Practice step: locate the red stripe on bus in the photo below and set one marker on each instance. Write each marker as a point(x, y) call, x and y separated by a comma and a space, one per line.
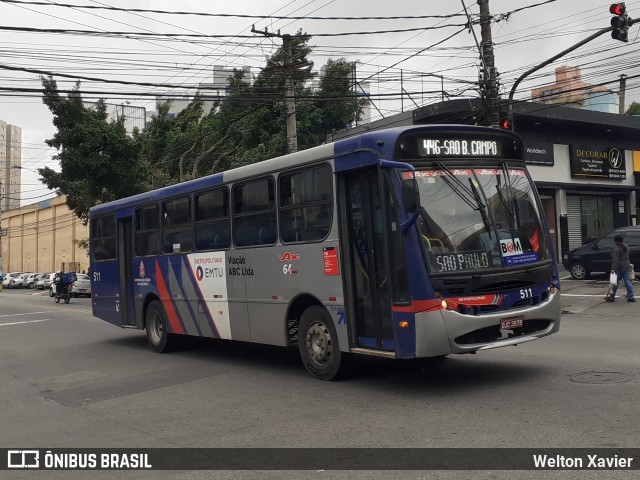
point(172, 315)
point(419, 306)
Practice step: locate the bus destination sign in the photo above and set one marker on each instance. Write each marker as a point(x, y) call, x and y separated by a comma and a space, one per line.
point(458, 148)
point(452, 262)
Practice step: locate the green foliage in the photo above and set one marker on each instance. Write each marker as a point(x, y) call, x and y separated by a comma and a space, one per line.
point(99, 162)
point(82, 243)
point(634, 109)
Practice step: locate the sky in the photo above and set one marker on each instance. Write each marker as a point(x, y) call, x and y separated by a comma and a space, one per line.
point(426, 56)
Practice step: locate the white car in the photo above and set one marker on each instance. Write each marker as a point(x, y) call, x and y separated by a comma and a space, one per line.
point(82, 286)
point(20, 281)
point(31, 279)
point(42, 283)
point(9, 278)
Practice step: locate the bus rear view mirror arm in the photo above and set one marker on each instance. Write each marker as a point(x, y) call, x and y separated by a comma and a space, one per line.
point(410, 195)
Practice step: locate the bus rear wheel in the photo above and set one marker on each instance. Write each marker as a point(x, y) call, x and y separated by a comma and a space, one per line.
point(318, 345)
point(160, 340)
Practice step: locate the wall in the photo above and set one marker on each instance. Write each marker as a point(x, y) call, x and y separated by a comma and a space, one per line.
point(40, 238)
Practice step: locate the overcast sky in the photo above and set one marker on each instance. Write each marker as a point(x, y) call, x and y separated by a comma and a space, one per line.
point(522, 38)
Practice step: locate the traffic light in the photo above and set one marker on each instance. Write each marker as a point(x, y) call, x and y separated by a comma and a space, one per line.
point(620, 21)
point(504, 124)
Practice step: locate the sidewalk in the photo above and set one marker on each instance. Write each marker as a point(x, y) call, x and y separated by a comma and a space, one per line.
point(587, 296)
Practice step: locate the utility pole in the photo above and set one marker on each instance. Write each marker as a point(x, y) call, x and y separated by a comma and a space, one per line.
point(290, 101)
point(489, 80)
point(623, 88)
point(292, 135)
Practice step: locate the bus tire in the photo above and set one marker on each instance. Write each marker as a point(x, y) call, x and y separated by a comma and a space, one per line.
point(160, 340)
point(318, 345)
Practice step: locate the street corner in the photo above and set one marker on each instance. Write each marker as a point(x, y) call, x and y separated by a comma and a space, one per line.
point(587, 296)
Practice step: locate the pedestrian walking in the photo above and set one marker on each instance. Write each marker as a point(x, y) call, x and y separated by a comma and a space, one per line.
point(620, 266)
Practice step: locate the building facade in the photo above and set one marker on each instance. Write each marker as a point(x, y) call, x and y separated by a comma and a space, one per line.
point(42, 238)
point(10, 154)
point(570, 91)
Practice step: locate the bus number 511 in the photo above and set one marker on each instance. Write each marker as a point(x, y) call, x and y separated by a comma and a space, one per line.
point(526, 293)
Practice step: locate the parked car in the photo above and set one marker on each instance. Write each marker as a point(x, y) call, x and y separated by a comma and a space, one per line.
point(20, 281)
point(31, 279)
point(49, 283)
point(44, 282)
point(82, 286)
point(9, 278)
point(596, 256)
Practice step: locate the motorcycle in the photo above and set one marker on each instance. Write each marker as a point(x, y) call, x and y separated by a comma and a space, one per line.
point(63, 287)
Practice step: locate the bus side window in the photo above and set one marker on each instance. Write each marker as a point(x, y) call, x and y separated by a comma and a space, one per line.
point(211, 215)
point(254, 216)
point(103, 243)
point(305, 204)
point(147, 230)
point(177, 230)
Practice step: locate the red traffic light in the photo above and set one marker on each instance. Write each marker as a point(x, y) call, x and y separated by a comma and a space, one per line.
point(617, 8)
point(504, 124)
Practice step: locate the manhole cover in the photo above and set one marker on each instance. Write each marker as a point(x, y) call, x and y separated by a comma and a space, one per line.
point(601, 377)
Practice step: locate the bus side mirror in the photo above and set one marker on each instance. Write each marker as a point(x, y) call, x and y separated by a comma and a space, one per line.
point(411, 201)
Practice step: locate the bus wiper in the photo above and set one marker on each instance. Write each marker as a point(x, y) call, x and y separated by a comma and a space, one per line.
point(505, 204)
point(457, 186)
point(507, 184)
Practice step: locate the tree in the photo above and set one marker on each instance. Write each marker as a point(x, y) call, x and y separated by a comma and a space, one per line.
point(634, 109)
point(333, 106)
point(98, 161)
point(254, 116)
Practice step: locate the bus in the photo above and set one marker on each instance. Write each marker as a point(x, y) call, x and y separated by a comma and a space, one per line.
point(403, 243)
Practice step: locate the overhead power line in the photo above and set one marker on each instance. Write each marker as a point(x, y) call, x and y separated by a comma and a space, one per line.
point(227, 15)
point(134, 35)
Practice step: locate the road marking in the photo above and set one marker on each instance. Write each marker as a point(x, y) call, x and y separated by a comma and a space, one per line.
point(21, 323)
point(582, 295)
point(30, 313)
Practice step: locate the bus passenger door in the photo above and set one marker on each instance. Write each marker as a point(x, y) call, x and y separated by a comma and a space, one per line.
point(368, 283)
point(125, 270)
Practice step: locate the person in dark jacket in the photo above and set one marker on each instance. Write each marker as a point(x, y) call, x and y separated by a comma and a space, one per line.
point(620, 265)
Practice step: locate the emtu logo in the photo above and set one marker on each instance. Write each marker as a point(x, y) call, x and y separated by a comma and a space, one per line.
point(23, 459)
point(199, 273)
point(616, 158)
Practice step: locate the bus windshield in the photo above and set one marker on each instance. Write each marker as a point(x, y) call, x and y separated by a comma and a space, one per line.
point(472, 219)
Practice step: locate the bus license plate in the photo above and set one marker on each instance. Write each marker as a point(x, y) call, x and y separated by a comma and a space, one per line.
point(511, 323)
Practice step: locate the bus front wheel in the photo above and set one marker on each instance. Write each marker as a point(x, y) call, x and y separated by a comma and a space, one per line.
point(318, 345)
point(160, 340)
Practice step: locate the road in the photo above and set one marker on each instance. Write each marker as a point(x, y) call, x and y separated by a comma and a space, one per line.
point(69, 380)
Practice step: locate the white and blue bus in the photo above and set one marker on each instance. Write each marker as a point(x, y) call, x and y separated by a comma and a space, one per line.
point(410, 242)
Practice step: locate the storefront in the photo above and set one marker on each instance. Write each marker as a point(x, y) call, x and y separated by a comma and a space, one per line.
point(587, 191)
